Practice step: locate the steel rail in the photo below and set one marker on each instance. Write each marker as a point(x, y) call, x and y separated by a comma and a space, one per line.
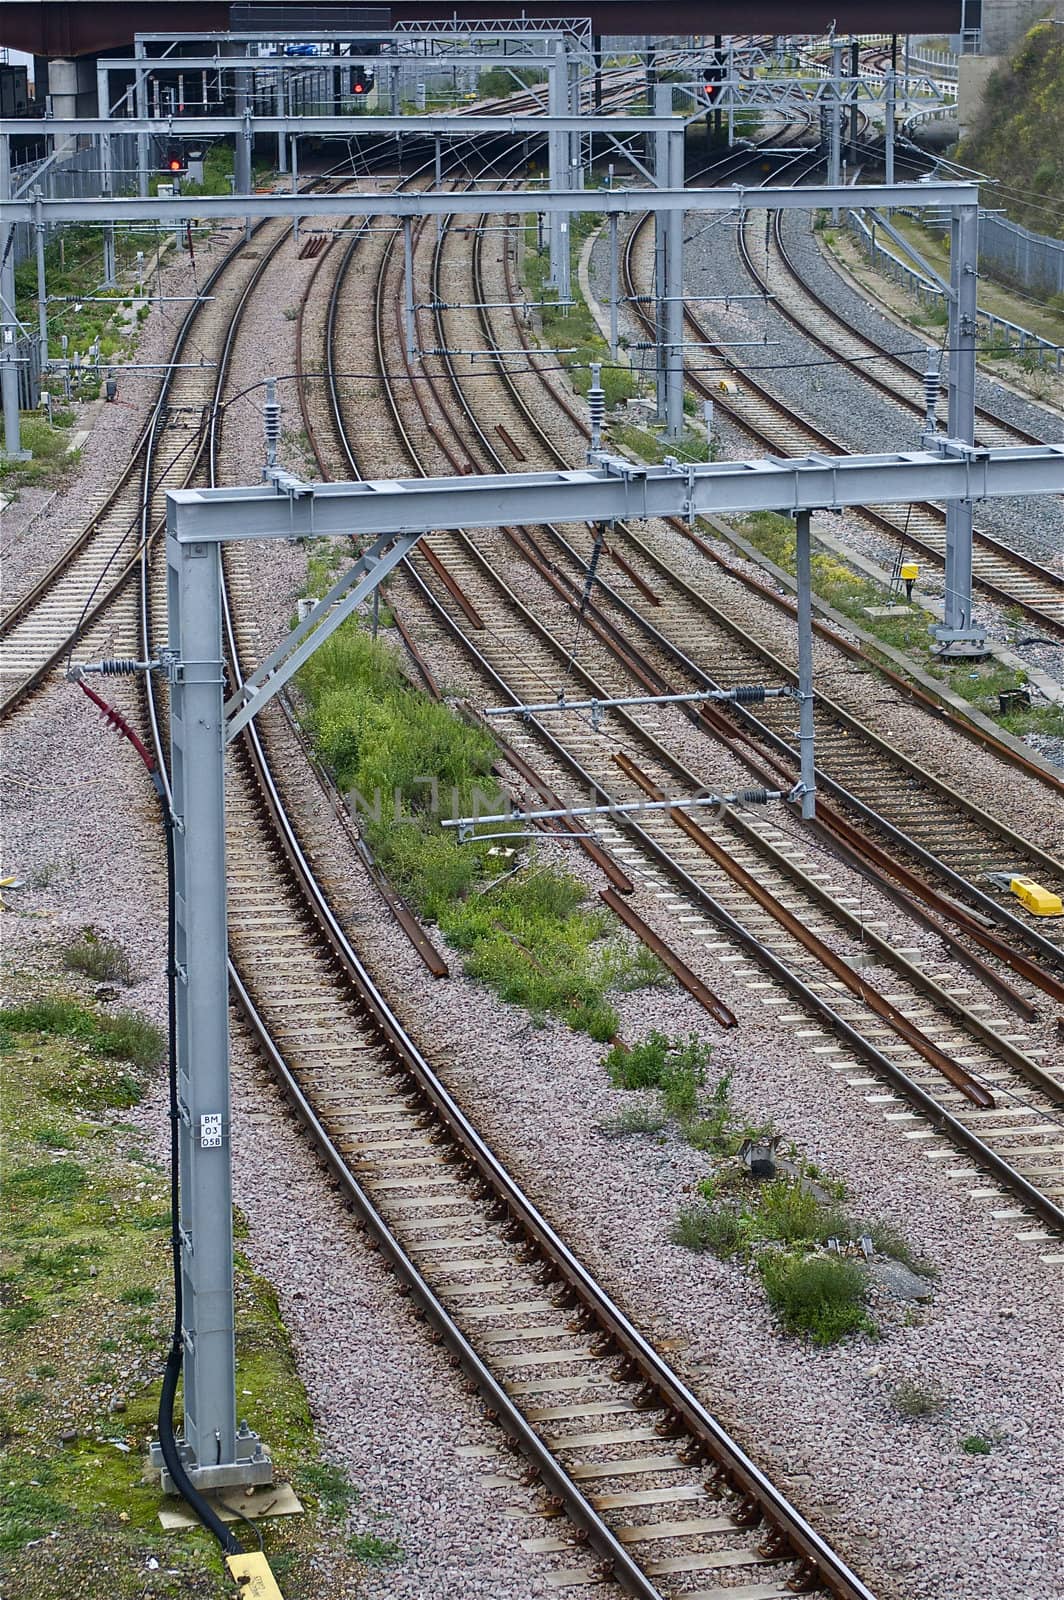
point(734, 1465)
point(749, 719)
point(823, 442)
point(1015, 1180)
point(782, 602)
point(983, 413)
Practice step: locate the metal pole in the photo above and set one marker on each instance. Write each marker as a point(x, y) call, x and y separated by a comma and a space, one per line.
point(142, 138)
point(964, 279)
point(215, 1452)
point(40, 233)
point(674, 291)
point(614, 288)
point(662, 107)
point(295, 183)
point(558, 171)
point(408, 286)
point(8, 327)
point(855, 73)
point(835, 145)
point(891, 90)
point(731, 93)
point(805, 665)
point(279, 98)
point(243, 157)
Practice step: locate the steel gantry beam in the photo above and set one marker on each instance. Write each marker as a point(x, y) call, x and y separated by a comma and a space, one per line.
point(959, 633)
point(484, 202)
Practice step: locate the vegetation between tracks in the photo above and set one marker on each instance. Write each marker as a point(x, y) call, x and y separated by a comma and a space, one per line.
point(404, 760)
point(85, 1289)
point(848, 592)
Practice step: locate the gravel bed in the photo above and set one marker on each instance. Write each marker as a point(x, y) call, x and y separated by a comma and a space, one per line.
point(732, 443)
point(888, 1490)
point(388, 1407)
point(826, 1423)
point(848, 410)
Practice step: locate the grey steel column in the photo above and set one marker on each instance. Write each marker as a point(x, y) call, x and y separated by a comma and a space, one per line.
point(805, 664)
point(891, 91)
point(281, 143)
point(41, 236)
point(110, 272)
point(674, 291)
point(558, 172)
point(835, 135)
point(142, 111)
point(214, 1451)
point(8, 326)
point(614, 288)
point(662, 107)
point(964, 281)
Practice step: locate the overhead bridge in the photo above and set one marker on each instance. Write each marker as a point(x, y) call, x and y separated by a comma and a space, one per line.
point(73, 28)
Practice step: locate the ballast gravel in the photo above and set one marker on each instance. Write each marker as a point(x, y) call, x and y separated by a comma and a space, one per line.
point(911, 1510)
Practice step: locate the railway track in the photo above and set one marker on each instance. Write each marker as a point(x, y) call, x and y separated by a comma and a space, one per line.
point(698, 642)
point(768, 262)
point(658, 1494)
point(1005, 575)
point(507, 647)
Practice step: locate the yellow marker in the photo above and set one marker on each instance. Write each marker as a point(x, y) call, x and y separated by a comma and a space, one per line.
point(1038, 901)
point(910, 571)
point(252, 1573)
point(725, 386)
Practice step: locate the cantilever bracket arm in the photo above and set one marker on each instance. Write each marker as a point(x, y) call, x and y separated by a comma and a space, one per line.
point(910, 249)
point(259, 688)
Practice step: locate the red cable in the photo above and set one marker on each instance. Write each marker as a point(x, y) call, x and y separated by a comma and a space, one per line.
point(118, 721)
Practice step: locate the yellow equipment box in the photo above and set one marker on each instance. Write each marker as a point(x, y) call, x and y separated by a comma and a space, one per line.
point(1038, 901)
point(910, 572)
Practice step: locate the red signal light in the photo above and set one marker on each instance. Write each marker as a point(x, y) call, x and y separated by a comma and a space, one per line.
point(360, 88)
point(174, 164)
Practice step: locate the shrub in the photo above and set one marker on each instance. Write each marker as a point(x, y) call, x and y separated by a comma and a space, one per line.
point(823, 1296)
point(919, 1400)
point(638, 1066)
point(98, 957)
point(975, 1444)
point(636, 1119)
point(700, 1227)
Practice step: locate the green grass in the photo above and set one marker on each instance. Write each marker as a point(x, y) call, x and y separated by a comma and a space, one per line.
point(403, 759)
point(915, 1400)
point(779, 1228)
point(700, 1227)
point(372, 1549)
point(52, 462)
point(95, 1081)
point(634, 1120)
point(822, 1296)
point(976, 1444)
point(98, 957)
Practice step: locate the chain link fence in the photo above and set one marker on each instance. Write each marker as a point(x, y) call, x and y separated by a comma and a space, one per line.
point(1031, 261)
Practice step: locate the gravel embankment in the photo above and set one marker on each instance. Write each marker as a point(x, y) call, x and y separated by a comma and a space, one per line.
point(915, 1513)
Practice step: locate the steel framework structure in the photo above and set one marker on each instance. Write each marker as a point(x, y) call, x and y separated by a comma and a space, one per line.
point(391, 516)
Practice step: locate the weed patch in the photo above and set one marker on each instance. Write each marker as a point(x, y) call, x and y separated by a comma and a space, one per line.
point(919, 1399)
point(402, 757)
point(976, 1444)
point(122, 1035)
point(823, 1296)
point(635, 1120)
point(98, 957)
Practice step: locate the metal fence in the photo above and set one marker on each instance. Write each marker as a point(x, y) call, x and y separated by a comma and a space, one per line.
point(1031, 260)
point(74, 176)
point(998, 334)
